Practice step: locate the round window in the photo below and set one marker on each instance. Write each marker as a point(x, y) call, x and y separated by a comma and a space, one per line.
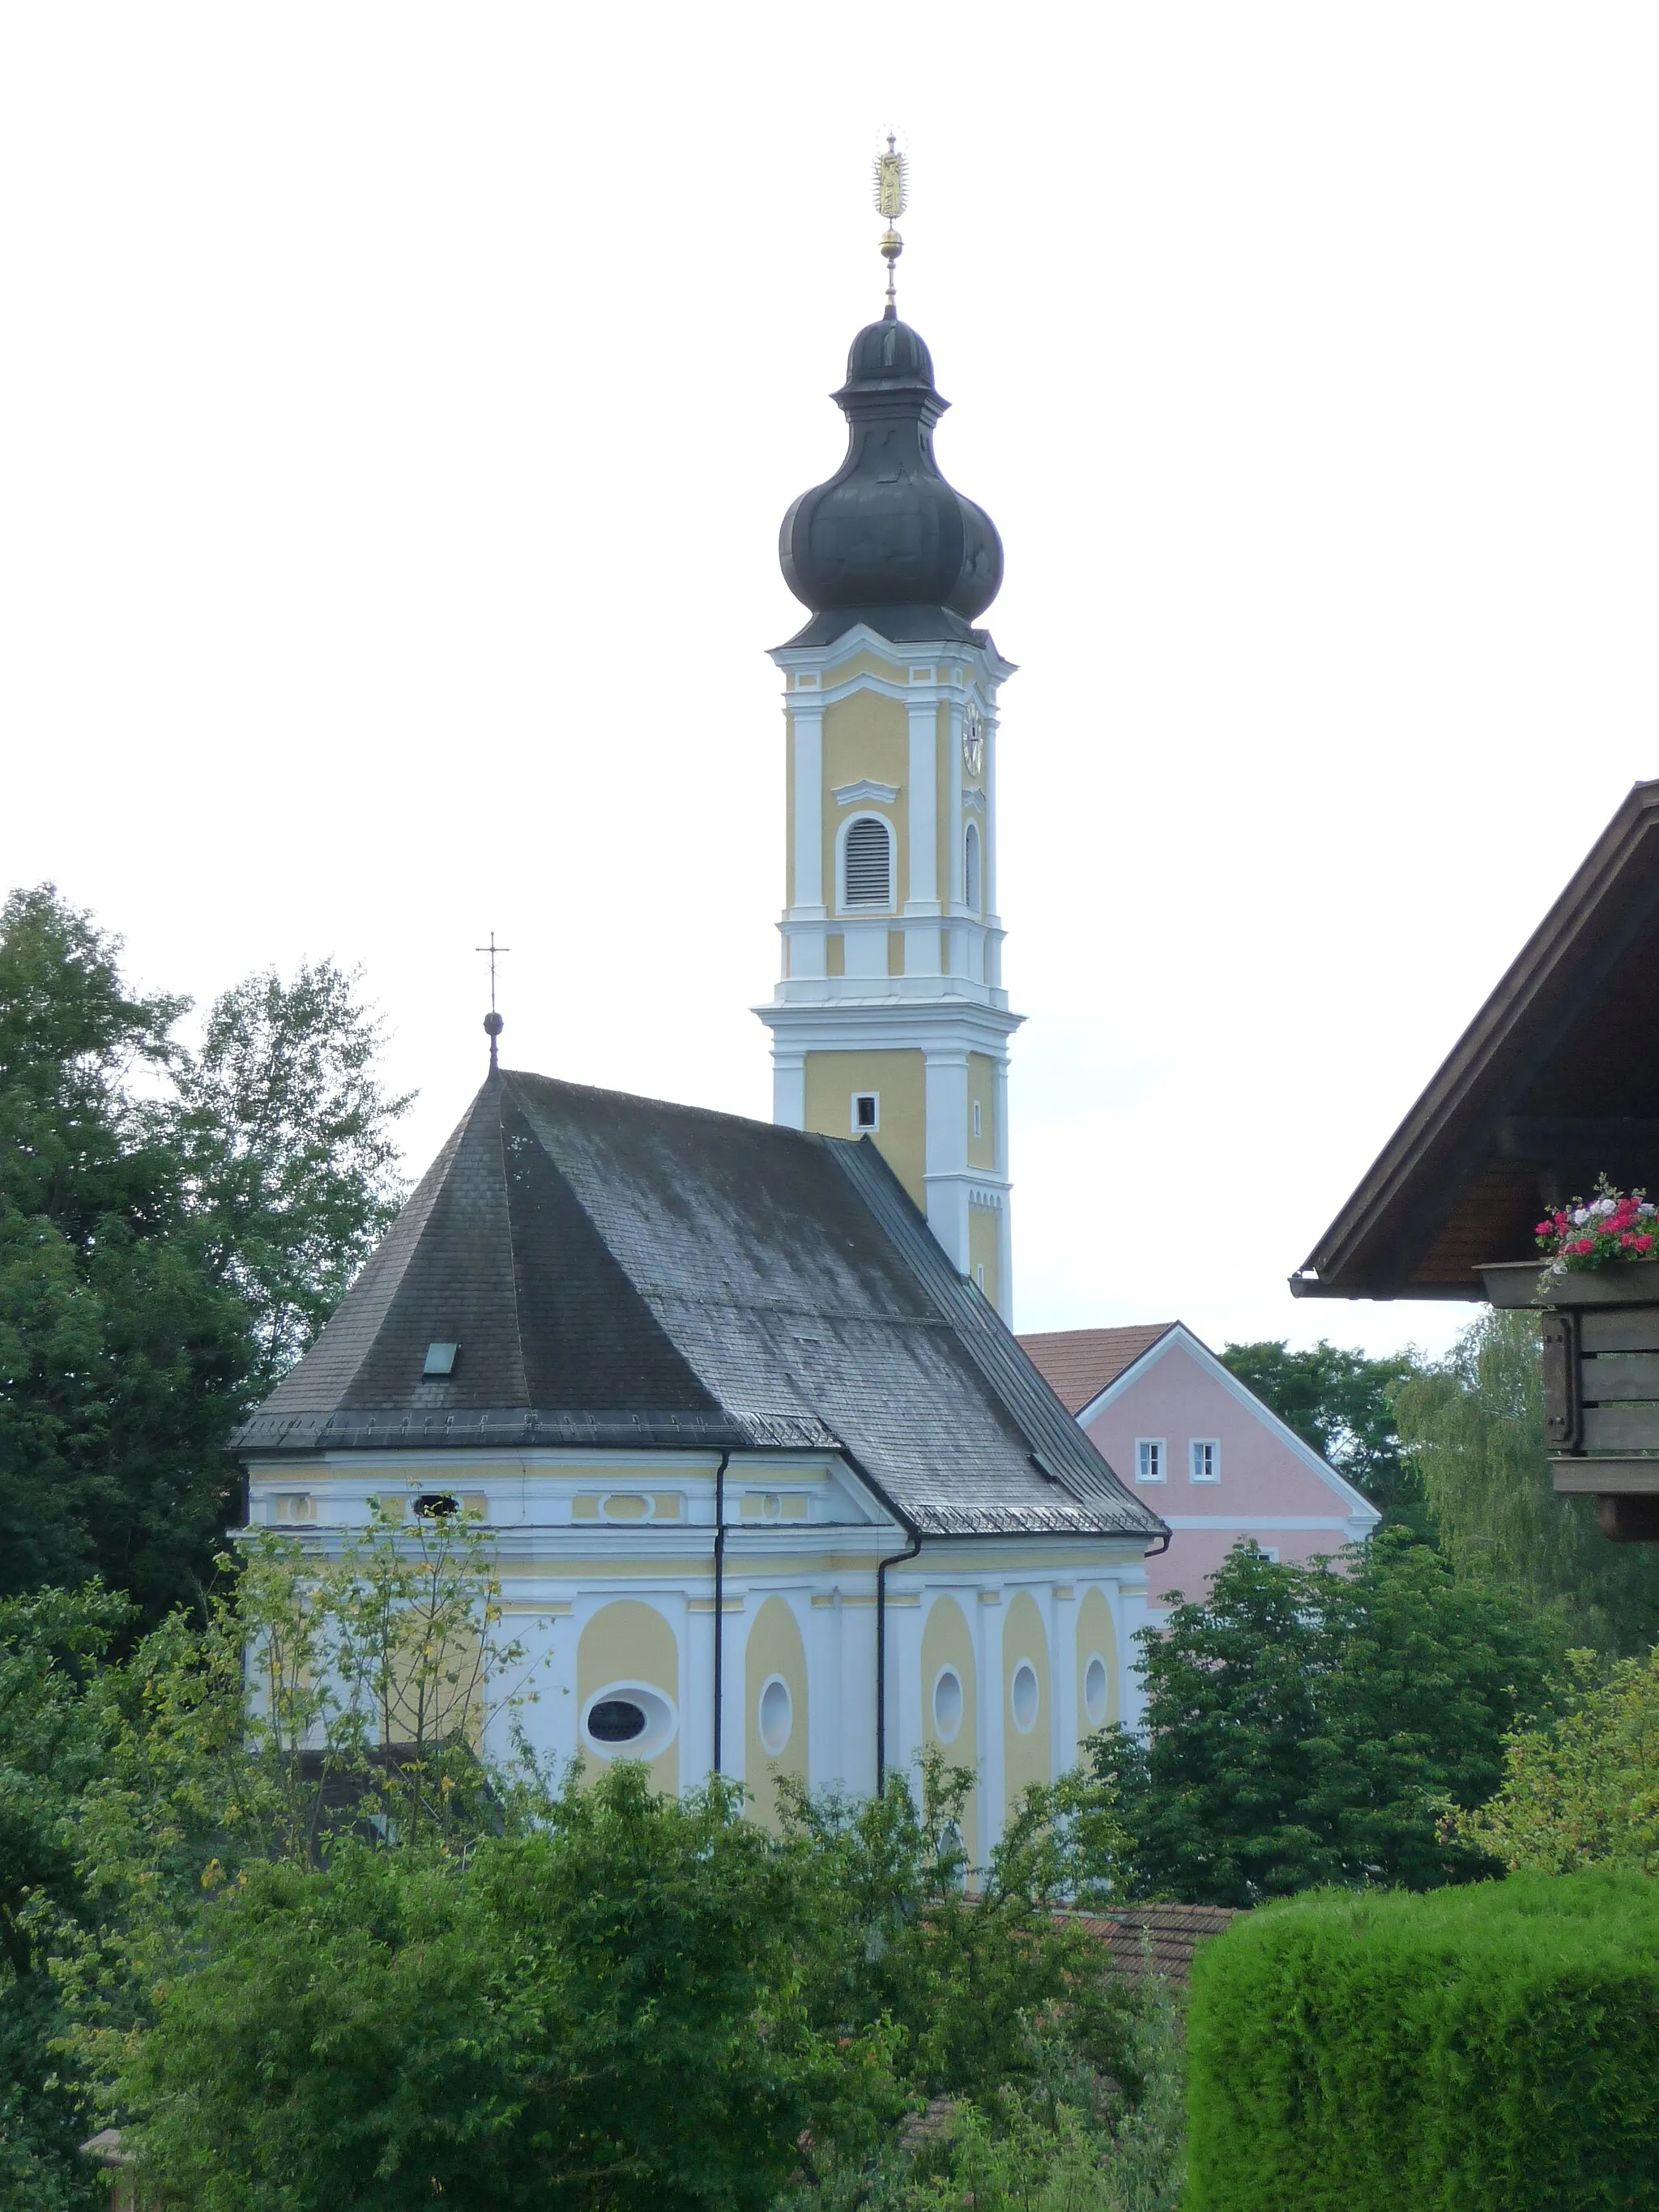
point(1094, 1691)
point(947, 1704)
point(1023, 1696)
point(776, 1716)
point(616, 1720)
point(627, 1720)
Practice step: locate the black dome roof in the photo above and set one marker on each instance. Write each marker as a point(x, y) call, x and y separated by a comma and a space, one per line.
point(887, 540)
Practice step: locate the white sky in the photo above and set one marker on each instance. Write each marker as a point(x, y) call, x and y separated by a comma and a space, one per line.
point(396, 409)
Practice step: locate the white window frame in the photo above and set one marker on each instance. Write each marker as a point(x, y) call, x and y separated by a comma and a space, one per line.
point(978, 1132)
point(866, 906)
point(864, 1129)
point(973, 878)
point(1194, 1446)
point(1160, 1446)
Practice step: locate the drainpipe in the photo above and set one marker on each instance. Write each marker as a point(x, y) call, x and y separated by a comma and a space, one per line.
point(719, 1590)
point(882, 1565)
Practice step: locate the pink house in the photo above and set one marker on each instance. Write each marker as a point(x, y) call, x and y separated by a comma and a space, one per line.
point(1203, 1450)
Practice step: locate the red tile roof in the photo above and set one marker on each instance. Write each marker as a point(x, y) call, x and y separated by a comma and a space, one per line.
point(1158, 1939)
point(1078, 1363)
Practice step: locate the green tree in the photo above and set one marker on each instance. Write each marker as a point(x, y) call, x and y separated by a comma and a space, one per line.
point(603, 2012)
point(1312, 1723)
point(53, 1740)
point(961, 1975)
point(1582, 1789)
point(1473, 1423)
point(122, 1365)
point(286, 1131)
point(1342, 1404)
point(173, 1228)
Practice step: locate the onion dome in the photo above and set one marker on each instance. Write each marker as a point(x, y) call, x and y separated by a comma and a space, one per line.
point(887, 541)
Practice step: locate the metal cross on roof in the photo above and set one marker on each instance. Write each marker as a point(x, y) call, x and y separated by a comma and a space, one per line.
point(493, 1022)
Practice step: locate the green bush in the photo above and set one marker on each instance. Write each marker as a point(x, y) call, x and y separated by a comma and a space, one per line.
point(1488, 2047)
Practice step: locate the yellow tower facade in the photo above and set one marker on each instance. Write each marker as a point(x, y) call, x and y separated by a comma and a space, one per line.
point(890, 1019)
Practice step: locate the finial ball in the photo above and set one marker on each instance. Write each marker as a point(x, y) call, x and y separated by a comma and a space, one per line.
point(493, 1024)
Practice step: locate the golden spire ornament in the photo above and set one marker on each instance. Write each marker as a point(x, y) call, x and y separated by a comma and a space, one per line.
point(892, 197)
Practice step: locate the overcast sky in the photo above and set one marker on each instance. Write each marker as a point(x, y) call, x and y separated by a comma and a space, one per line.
point(399, 403)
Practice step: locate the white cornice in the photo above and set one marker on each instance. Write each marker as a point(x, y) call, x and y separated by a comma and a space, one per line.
point(860, 793)
point(822, 660)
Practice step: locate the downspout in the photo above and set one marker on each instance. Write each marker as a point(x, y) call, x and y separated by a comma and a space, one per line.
point(882, 1565)
point(719, 1590)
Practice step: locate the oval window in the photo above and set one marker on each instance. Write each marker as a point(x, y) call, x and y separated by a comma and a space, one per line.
point(616, 1720)
point(776, 1716)
point(627, 1720)
point(1022, 1695)
point(947, 1704)
point(1094, 1691)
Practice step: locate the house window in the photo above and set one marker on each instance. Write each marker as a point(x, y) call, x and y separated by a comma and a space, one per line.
point(866, 863)
point(970, 867)
point(1206, 1466)
point(866, 1112)
point(1148, 1459)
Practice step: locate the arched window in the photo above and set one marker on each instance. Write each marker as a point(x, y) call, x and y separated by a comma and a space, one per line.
point(867, 863)
point(970, 867)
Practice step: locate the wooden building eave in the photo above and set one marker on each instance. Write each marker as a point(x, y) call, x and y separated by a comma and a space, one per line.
point(1554, 1081)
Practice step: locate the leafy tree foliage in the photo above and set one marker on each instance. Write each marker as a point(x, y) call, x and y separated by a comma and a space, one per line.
point(1342, 1404)
point(1312, 1723)
point(173, 1228)
point(601, 2013)
point(54, 1739)
point(1473, 1423)
point(1582, 1789)
point(286, 1131)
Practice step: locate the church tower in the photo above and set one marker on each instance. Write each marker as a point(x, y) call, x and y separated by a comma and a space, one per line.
point(890, 1019)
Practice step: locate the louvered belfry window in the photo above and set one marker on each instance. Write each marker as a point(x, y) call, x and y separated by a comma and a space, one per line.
point(869, 863)
point(970, 868)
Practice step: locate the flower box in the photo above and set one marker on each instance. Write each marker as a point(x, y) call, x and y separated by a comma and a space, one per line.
point(1626, 1282)
point(1600, 1339)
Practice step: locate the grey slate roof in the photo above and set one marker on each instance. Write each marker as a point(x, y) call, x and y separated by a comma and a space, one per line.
point(619, 1270)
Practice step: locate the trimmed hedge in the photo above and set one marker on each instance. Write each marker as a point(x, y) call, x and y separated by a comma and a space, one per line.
point(1493, 2048)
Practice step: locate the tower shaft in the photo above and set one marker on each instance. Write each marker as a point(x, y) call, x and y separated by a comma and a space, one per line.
point(890, 1020)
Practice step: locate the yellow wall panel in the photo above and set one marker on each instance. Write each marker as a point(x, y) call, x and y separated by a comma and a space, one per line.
point(1025, 1750)
point(981, 1092)
point(946, 1642)
point(1097, 1638)
point(899, 1077)
point(629, 1641)
point(775, 1650)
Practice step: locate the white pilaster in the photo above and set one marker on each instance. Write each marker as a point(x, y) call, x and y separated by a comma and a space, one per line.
point(1062, 1662)
point(809, 902)
point(789, 1089)
point(944, 1176)
point(924, 810)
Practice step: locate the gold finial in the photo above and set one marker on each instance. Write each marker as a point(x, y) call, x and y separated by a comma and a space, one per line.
point(892, 197)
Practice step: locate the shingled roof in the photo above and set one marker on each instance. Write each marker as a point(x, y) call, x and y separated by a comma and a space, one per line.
point(619, 1270)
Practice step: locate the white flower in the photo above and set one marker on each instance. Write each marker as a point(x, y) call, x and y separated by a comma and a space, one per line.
point(1580, 1216)
point(1603, 1206)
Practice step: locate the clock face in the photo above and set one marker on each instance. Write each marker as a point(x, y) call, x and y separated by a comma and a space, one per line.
point(973, 743)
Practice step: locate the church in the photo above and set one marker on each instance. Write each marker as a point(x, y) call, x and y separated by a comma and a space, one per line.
point(771, 1487)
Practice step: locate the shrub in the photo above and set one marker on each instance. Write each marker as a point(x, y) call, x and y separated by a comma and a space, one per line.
point(1494, 2047)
